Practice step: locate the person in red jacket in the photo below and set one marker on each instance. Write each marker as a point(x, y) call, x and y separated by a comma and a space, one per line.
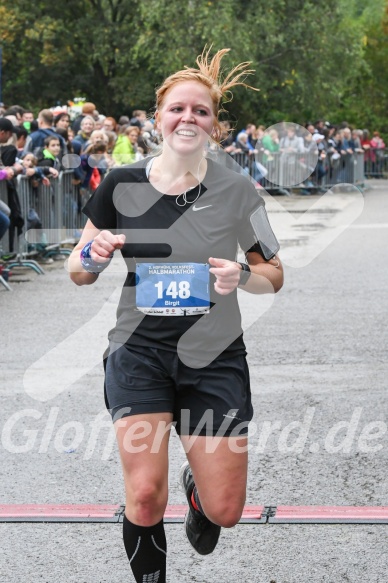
point(377, 153)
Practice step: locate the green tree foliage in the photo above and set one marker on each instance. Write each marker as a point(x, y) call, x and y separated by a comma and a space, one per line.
point(311, 58)
point(366, 97)
point(53, 51)
point(303, 57)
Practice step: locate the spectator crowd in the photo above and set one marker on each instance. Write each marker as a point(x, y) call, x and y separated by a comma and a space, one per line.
point(257, 148)
point(41, 148)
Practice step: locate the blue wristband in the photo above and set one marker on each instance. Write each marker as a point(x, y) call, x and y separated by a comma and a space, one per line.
point(89, 264)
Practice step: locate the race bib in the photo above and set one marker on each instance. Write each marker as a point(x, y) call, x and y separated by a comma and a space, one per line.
point(172, 289)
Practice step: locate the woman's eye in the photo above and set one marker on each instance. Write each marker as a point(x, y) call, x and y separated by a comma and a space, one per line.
point(202, 111)
point(176, 109)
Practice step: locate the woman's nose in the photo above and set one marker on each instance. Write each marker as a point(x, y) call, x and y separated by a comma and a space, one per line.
point(188, 116)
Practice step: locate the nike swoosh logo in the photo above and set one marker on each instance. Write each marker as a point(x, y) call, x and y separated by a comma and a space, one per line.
point(199, 208)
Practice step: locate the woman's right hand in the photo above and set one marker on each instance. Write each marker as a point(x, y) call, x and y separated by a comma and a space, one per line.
point(104, 244)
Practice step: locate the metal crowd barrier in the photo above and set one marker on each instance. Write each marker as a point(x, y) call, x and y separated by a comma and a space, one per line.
point(295, 171)
point(18, 241)
point(3, 191)
point(376, 163)
point(4, 246)
point(4, 243)
point(52, 217)
point(73, 199)
point(52, 213)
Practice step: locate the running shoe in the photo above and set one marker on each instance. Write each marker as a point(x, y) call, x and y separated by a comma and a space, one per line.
point(202, 533)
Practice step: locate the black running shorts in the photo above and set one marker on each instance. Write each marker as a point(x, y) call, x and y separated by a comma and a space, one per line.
point(214, 400)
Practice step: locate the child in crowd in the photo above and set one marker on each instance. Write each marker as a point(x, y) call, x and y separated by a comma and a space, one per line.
point(94, 163)
point(32, 170)
point(48, 157)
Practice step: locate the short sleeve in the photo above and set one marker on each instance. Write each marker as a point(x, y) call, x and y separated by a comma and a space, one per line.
point(100, 208)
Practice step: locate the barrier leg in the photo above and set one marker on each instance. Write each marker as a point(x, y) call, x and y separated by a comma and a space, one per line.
point(27, 263)
point(5, 283)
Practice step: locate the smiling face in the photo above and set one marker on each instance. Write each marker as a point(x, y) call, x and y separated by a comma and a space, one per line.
point(186, 117)
point(87, 125)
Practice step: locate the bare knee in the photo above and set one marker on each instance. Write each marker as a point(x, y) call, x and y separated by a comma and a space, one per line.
point(145, 504)
point(226, 515)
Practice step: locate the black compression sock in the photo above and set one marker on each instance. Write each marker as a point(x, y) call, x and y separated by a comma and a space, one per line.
point(147, 550)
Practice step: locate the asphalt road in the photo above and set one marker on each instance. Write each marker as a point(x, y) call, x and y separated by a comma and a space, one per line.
point(318, 360)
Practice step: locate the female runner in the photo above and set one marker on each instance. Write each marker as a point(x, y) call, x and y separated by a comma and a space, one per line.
point(176, 354)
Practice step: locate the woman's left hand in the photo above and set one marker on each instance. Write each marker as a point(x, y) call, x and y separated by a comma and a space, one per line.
point(227, 275)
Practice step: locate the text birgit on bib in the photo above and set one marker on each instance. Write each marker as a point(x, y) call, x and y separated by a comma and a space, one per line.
point(172, 289)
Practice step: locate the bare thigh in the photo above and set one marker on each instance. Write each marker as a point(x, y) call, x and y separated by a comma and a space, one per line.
point(219, 466)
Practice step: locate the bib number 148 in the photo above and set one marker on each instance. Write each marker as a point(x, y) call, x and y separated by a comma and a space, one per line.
point(175, 289)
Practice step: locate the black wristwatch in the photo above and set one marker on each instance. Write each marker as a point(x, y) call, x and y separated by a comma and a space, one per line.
point(245, 273)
